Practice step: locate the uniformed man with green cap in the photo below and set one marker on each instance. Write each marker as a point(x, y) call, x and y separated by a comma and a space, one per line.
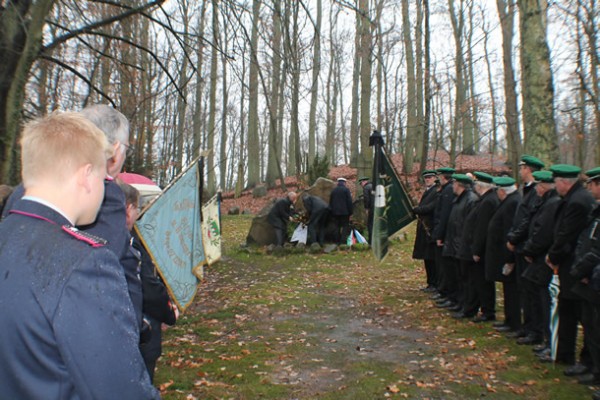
point(424, 247)
point(440, 222)
point(516, 239)
point(499, 262)
point(587, 260)
point(480, 293)
point(456, 279)
point(571, 218)
point(539, 240)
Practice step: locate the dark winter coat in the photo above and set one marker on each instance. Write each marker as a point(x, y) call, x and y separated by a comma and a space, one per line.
point(280, 214)
point(540, 237)
point(496, 252)
point(340, 202)
point(368, 196)
point(571, 219)
point(454, 231)
point(587, 257)
point(488, 205)
point(520, 230)
point(424, 248)
point(442, 211)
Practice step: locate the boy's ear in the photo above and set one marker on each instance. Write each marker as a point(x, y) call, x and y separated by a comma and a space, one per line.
point(84, 175)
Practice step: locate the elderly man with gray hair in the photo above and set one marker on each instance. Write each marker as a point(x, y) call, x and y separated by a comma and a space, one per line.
point(280, 215)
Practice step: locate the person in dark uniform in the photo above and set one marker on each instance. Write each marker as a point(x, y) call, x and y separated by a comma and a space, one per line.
point(341, 208)
point(517, 236)
point(110, 223)
point(482, 292)
point(539, 240)
point(499, 261)
point(68, 327)
point(279, 216)
point(571, 218)
point(368, 203)
point(318, 211)
point(424, 247)
point(587, 258)
point(157, 305)
point(463, 203)
point(440, 221)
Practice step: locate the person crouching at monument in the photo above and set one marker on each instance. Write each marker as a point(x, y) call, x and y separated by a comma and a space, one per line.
point(280, 215)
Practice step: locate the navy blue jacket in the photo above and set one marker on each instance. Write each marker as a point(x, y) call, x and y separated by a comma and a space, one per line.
point(340, 201)
point(109, 225)
point(68, 327)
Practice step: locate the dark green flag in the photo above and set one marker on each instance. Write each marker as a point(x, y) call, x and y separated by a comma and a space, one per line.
point(392, 209)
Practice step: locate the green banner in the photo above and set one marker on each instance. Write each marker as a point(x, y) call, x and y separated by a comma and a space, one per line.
point(392, 209)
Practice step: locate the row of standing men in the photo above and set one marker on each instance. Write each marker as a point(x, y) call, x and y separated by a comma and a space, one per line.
point(477, 229)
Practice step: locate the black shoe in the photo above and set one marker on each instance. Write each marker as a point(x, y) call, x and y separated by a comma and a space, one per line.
point(446, 304)
point(596, 395)
point(544, 353)
point(547, 358)
point(455, 308)
point(437, 296)
point(430, 289)
point(461, 315)
point(589, 379)
point(442, 300)
point(539, 347)
point(517, 334)
point(529, 339)
point(484, 318)
point(577, 369)
point(504, 328)
point(499, 324)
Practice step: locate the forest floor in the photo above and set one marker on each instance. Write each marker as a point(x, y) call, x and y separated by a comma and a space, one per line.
point(338, 326)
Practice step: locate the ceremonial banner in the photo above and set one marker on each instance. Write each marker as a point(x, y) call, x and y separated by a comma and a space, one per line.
point(171, 231)
point(392, 209)
point(211, 230)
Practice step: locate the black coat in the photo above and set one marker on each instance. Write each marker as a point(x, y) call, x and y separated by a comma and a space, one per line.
point(368, 196)
point(314, 205)
point(520, 230)
point(540, 237)
point(424, 247)
point(571, 219)
point(496, 252)
point(587, 257)
point(488, 205)
point(280, 213)
point(454, 231)
point(340, 202)
point(442, 211)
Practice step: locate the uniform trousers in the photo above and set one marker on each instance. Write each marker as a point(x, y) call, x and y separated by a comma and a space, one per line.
point(526, 291)
point(342, 228)
point(430, 272)
point(450, 283)
point(512, 311)
point(471, 301)
point(440, 271)
point(485, 291)
point(590, 318)
point(569, 315)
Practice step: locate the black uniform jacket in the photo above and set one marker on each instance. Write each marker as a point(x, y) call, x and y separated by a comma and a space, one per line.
point(496, 252)
point(280, 213)
point(571, 219)
point(424, 248)
point(540, 237)
point(340, 201)
point(587, 257)
point(454, 231)
point(68, 327)
point(520, 229)
point(442, 211)
point(488, 204)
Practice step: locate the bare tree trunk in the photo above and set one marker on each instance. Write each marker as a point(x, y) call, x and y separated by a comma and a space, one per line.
point(419, 128)
point(198, 97)
point(354, 133)
point(506, 12)
point(224, 110)
point(212, 101)
point(314, 90)
point(253, 142)
point(274, 148)
point(365, 164)
point(494, 139)
point(427, 90)
point(537, 87)
point(411, 96)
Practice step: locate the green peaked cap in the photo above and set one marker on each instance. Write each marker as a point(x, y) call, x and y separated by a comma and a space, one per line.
point(565, 171)
point(504, 181)
point(483, 177)
point(543, 176)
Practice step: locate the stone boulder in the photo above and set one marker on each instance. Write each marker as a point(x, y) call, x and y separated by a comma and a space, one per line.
point(235, 210)
point(261, 232)
point(259, 191)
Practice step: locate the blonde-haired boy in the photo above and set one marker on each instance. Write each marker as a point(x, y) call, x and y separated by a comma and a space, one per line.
point(69, 330)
